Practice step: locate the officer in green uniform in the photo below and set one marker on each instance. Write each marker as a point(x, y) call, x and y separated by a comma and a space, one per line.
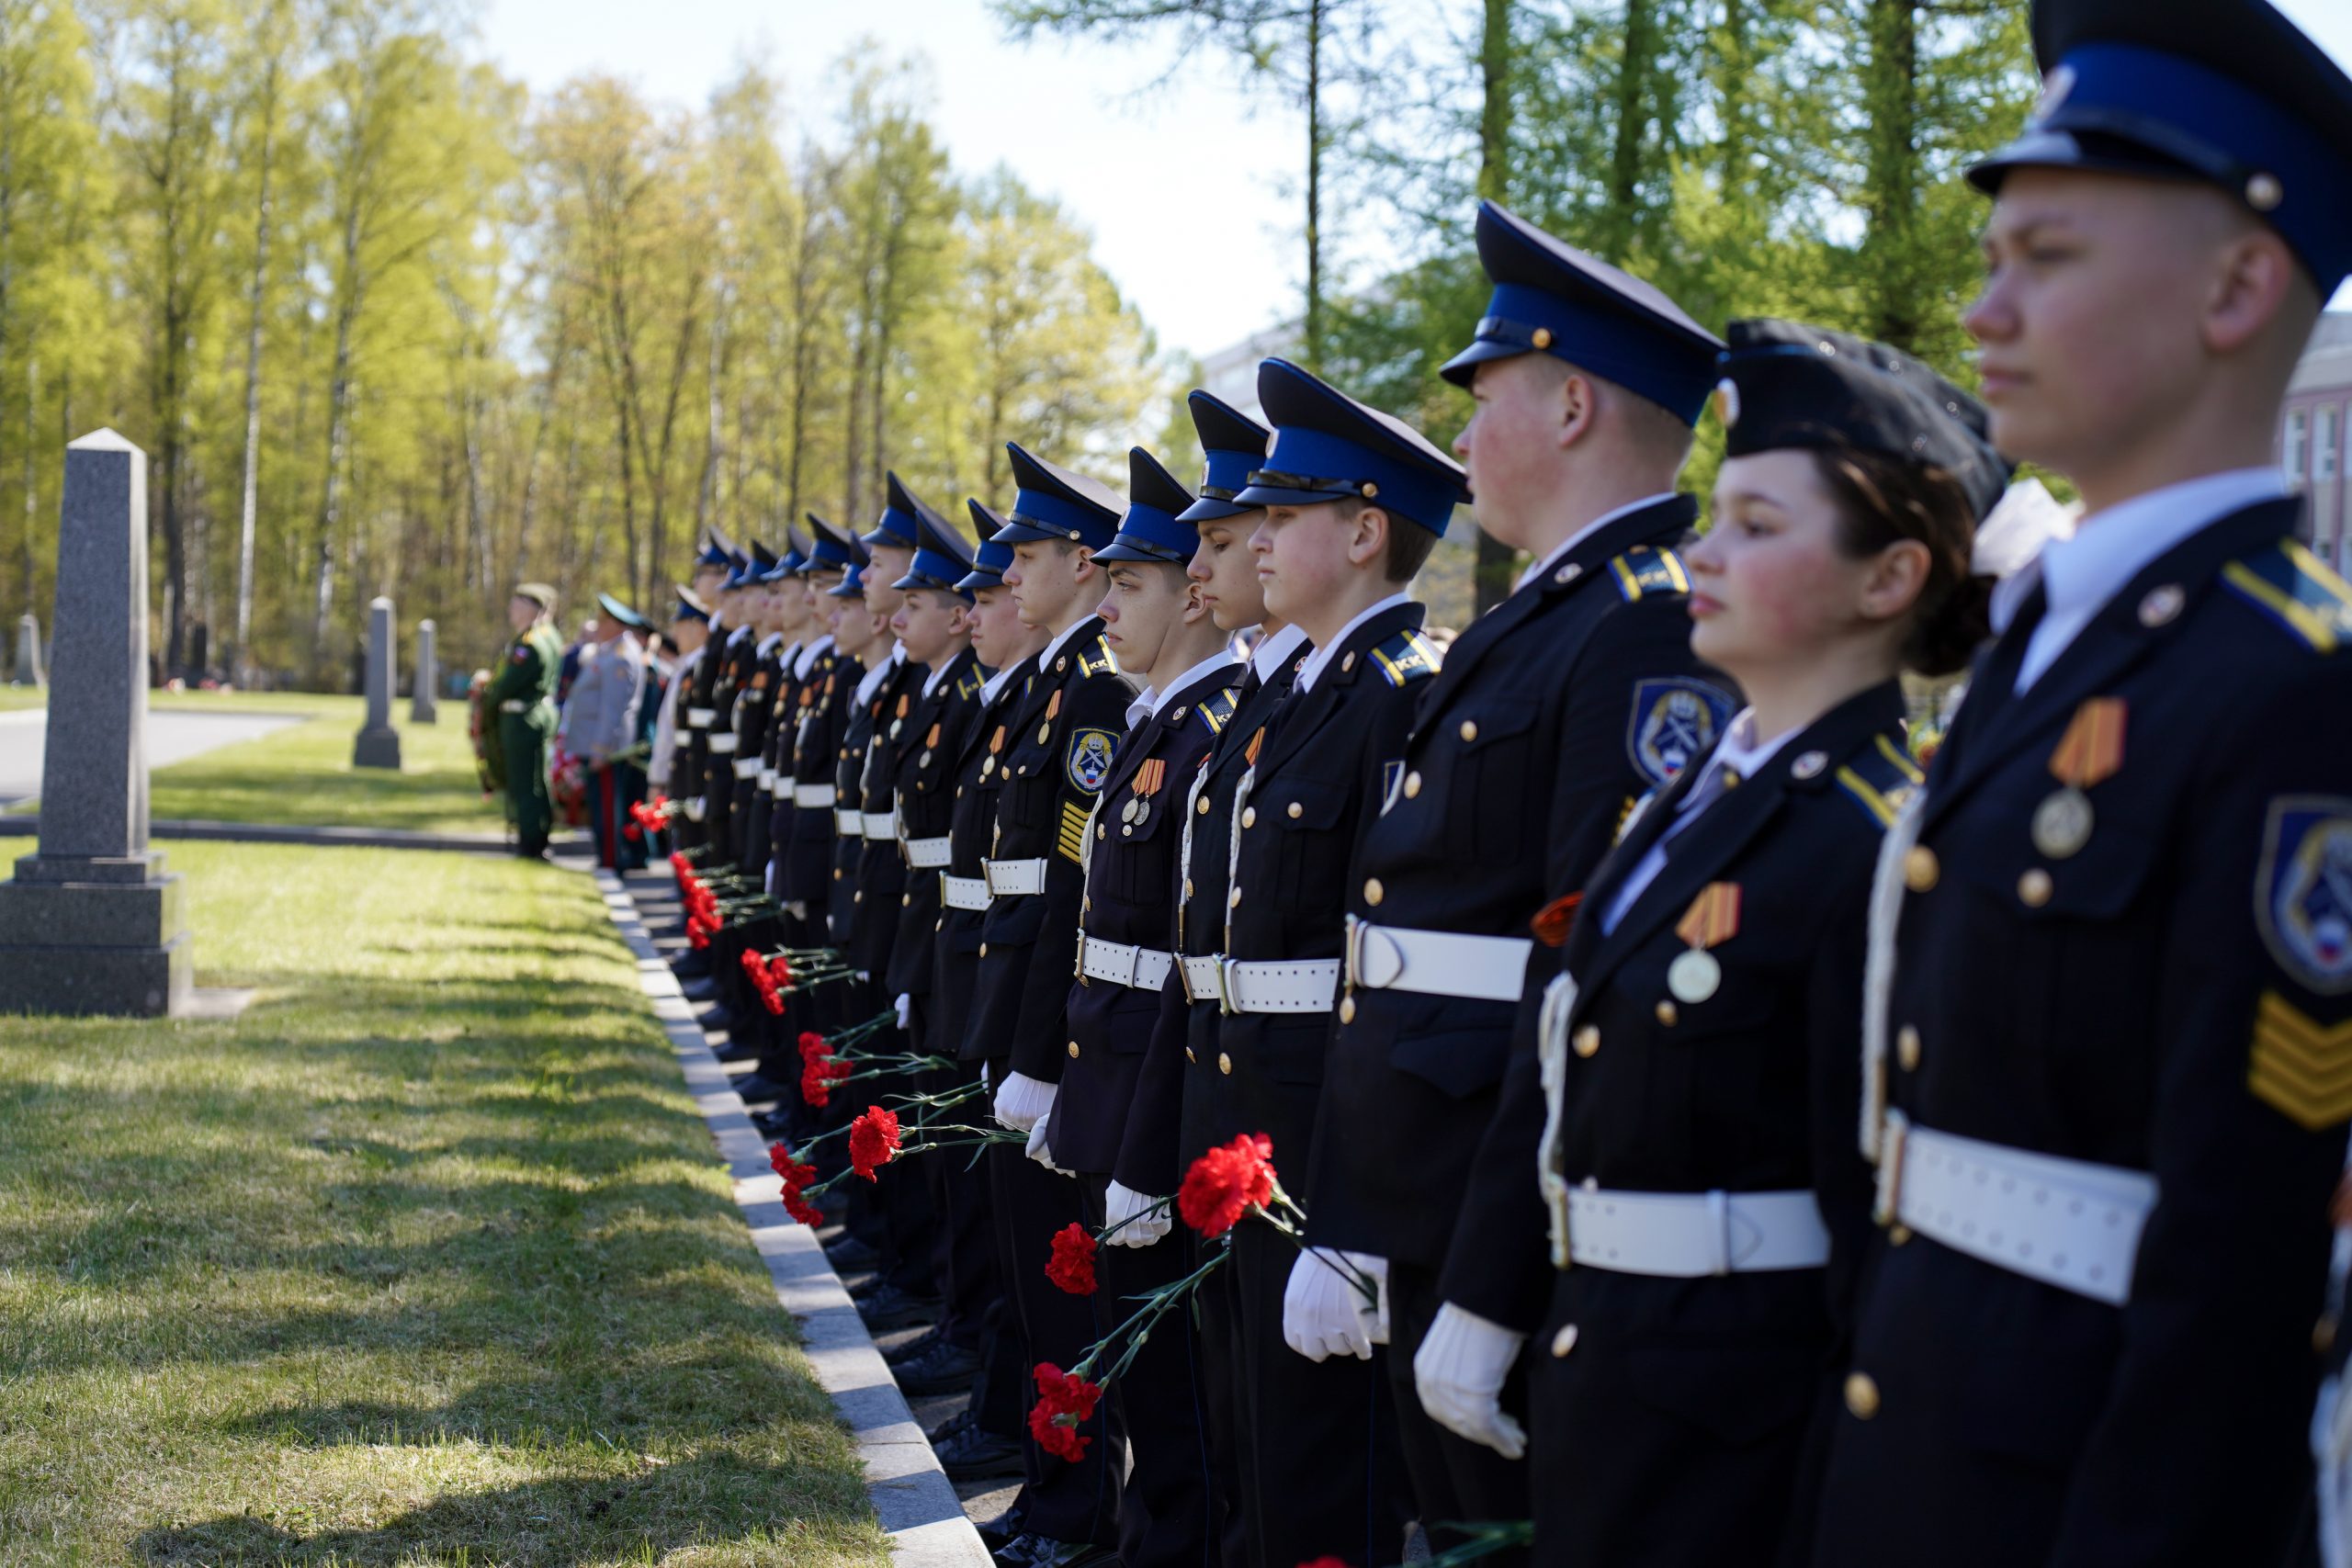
point(518, 694)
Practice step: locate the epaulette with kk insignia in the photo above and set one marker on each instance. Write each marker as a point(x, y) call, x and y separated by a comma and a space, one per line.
point(1096, 659)
point(2298, 591)
point(1215, 708)
point(1406, 657)
point(1878, 779)
point(969, 685)
point(1645, 570)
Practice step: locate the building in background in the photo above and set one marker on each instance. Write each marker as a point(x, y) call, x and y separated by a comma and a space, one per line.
point(2312, 438)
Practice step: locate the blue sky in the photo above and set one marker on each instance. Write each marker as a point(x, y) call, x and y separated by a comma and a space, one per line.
point(1139, 163)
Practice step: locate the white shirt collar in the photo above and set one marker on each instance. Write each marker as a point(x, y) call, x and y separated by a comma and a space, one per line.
point(2082, 574)
point(1054, 645)
point(1277, 649)
point(993, 687)
point(875, 673)
point(738, 635)
point(1146, 704)
point(1325, 654)
point(767, 643)
point(1559, 552)
point(1740, 752)
point(939, 672)
point(1221, 660)
point(810, 655)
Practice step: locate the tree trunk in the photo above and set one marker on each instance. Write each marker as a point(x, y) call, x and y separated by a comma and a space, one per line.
point(1623, 217)
point(1315, 185)
point(239, 660)
point(338, 441)
point(1491, 574)
point(1890, 98)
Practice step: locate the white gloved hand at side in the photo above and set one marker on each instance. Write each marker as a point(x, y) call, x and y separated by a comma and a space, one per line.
point(1021, 1099)
point(1122, 1205)
point(1323, 1308)
point(1040, 1149)
point(1374, 1310)
point(906, 1006)
point(1460, 1369)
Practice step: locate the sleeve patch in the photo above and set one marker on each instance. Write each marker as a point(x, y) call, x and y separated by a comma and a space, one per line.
point(2300, 1068)
point(2298, 591)
point(1645, 570)
point(1070, 842)
point(1675, 722)
point(1092, 752)
point(2302, 890)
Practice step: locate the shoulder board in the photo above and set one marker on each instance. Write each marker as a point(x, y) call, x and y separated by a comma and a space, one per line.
point(1215, 709)
point(1095, 658)
point(2297, 591)
point(1647, 569)
point(1879, 778)
point(968, 685)
point(1406, 657)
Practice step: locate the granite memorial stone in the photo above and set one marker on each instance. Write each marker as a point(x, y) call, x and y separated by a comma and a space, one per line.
point(379, 745)
point(428, 675)
point(28, 653)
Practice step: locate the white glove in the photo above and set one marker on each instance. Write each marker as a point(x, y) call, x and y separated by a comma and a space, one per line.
point(984, 1074)
point(1460, 1369)
point(1375, 1311)
point(906, 1006)
point(1323, 1308)
point(1040, 1149)
point(1021, 1099)
point(1121, 1205)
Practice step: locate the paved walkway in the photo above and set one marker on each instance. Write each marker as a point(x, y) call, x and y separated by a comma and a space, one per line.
point(172, 737)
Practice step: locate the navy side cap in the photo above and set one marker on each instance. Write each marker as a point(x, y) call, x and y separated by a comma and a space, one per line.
point(1053, 502)
point(1786, 384)
point(1235, 445)
point(991, 559)
point(1328, 447)
point(1154, 528)
point(942, 557)
point(619, 612)
point(1551, 297)
point(900, 513)
point(2226, 91)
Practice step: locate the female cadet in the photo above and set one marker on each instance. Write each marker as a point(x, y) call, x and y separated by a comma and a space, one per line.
point(1698, 1102)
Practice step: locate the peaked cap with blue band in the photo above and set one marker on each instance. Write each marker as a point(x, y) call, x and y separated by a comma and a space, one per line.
point(1786, 384)
point(942, 557)
point(900, 515)
point(1551, 297)
point(753, 568)
point(1050, 501)
point(690, 607)
point(853, 583)
point(1154, 528)
point(623, 614)
point(1235, 445)
point(793, 562)
point(836, 548)
point(991, 559)
point(1328, 447)
point(717, 552)
point(2227, 92)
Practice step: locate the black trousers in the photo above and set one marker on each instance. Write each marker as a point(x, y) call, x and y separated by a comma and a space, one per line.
point(1062, 1500)
point(1164, 1518)
point(1455, 1481)
point(963, 1249)
point(1322, 1476)
point(1218, 1314)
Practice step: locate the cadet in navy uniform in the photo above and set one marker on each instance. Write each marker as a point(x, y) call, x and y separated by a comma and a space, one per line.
point(779, 620)
point(987, 1438)
point(800, 819)
point(1160, 630)
point(712, 568)
point(1062, 743)
point(1354, 501)
point(737, 662)
point(1575, 695)
point(2109, 1032)
point(1697, 1102)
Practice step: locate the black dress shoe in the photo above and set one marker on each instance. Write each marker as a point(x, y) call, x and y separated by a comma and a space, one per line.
point(995, 1532)
point(757, 1090)
point(891, 1307)
point(946, 1431)
point(716, 1018)
point(1040, 1552)
point(947, 1370)
point(701, 989)
point(692, 964)
point(850, 1256)
point(915, 1350)
point(974, 1455)
point(736, 1050)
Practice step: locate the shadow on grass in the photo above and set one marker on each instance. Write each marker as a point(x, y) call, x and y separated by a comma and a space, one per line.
point(569, 1520)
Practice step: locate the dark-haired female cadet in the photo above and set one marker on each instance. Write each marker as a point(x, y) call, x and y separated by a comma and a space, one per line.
point(1697, 1096)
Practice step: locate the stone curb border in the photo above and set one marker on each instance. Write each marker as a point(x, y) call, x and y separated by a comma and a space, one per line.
point(916, 1503)
point(29, 825)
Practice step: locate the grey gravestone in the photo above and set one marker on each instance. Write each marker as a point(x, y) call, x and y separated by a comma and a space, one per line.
point(427, 676)
point(379, 745)
point(92, 924)
point(28, 653)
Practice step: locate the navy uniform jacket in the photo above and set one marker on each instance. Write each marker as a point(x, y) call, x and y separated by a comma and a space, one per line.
point(811, 754)
point(1326, 758)
point(926, 759)
point(1163, 1140)
point(881, 874)
point(775, 754)
point(1130, 878)
point(1674, 1429)
point(979, 775)
point(2175, 998)
point(1063, 740)
point(690, 768)
point(1556, 709)
point(865, 721)
point(735, 663)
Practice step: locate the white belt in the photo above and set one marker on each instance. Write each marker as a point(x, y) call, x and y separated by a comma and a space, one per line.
point(848, 824)
point(1144, 968)
point(1437, 964)
point(723, 743)
point(701, 718)
point(963, 892)
point(747, 767)
point(1014, 877)
point(879, 824)
point(928, 855)
point(1687, 1235)
point(516, 705)
point(1306, 986)
point(2066, 1222)
point(767, 781)
point(1204, 978)
point(815, 797)
point(695, 809)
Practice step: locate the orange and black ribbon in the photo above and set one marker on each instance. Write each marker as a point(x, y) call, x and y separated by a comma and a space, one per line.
point(1712, 918)
point(2092, 748)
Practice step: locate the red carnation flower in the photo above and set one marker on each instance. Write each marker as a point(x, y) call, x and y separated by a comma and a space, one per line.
point(813, 1044)
point(797, 1175)
point(1228, 1182)
point(872, 1141)
point(819, 1075)
point(633, 832)
point(1326, 1562)
point(780, 971)
point(1072, 1264)
point(1064, 1401)
point(755, 967)
point(698, 931)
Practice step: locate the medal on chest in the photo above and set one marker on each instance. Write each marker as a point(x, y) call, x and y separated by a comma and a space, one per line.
point(1711, 920)
point(930, 741)
point(2090, 752)
point(1147, 780)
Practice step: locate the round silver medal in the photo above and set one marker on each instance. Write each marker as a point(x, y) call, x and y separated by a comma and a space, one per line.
point(2061, 823)
point(1127, 812)
point(1694, 976)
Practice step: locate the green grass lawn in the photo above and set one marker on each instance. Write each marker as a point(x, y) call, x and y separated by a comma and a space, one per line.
point(426, 1260)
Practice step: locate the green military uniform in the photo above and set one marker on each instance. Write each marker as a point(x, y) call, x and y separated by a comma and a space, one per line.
point(519, 697)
